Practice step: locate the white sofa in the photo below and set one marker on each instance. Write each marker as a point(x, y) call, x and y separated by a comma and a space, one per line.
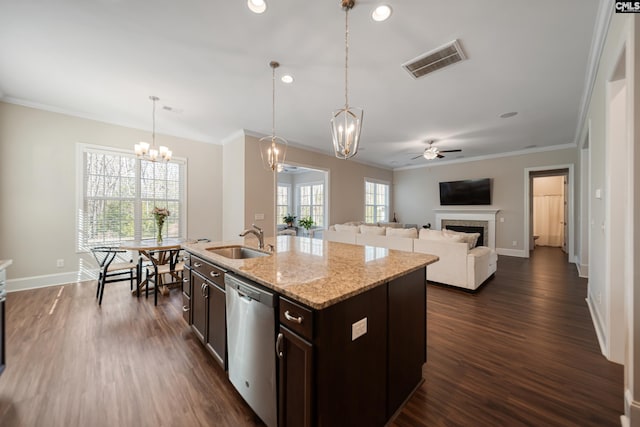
point(461, 263)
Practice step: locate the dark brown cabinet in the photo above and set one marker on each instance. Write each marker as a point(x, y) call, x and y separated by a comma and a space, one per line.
point(354, 362)
point(295, 354)
point(216, 341)
point(208, 311)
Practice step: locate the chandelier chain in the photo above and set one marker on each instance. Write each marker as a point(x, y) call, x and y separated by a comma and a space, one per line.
point(153, 129)
point(346, 59)
point(273, 101)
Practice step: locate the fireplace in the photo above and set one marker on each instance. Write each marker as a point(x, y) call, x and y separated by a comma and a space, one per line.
point(481, 221)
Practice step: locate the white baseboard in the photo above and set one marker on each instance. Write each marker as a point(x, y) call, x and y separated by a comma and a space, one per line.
point(583, 270)
point(597, 325)
point(512, 252)
point(25, 283)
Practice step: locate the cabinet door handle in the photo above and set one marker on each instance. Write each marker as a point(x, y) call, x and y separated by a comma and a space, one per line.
point(279, 346)
point(214, 274)
point(291, 318)
point(185, 308)
point(185, 280)
point(202, 290)
point(197, 264)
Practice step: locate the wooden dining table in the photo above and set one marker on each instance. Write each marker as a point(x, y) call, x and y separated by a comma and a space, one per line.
point(143, 247)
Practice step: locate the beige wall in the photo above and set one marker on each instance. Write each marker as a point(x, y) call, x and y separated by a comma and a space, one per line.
point(346, 184)
point(416, 191)
point(233, 184)
point(38, 188)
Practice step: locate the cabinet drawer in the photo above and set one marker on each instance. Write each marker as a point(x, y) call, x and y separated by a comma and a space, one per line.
point(296, 318)
point(213, 273)
point(186, 308)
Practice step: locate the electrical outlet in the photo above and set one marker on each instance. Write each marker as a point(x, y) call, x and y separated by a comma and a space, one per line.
point(599, 298)
point(514, 243)
point(501, 219)
point(60, 263)
point(358, 329)
point(258, 217)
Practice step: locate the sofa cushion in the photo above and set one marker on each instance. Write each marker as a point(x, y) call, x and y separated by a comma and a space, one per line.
point(470, 238)
point(344, 227)
point(438, 235)
point(372, 229)
point(402, 232)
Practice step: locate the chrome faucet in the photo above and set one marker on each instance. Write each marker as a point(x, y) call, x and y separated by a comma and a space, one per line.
point(257, 231)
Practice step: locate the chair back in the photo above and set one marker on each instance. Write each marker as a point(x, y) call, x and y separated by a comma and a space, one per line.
point(105, 255)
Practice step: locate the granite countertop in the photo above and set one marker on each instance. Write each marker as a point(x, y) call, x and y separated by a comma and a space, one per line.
point(315, 272)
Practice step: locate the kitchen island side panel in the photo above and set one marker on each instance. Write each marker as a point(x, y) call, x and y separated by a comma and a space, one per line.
point(351, 373)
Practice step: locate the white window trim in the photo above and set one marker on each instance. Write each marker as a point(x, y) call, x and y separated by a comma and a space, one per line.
point(388, 202)
point(81, 147)
point(289, 206)
point(324, 199)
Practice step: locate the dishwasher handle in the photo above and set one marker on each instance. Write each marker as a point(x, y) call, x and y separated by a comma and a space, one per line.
point(249, 291)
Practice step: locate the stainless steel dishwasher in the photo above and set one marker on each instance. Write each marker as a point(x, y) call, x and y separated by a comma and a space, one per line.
point(250, 346)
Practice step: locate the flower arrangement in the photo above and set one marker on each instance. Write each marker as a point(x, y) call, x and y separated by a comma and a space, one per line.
point(160, 214)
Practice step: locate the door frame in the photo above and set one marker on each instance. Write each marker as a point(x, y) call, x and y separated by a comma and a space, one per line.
point(528, 182)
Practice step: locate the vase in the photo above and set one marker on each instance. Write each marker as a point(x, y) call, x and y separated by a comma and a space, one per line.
point(159, 236)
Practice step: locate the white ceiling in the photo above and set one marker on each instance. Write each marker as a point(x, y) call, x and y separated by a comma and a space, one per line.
point(209, 60)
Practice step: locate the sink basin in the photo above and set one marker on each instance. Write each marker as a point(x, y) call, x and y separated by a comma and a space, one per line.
point(237, 252)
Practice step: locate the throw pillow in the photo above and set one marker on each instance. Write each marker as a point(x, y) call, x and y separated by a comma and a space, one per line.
point(372, 229)
point(470, 238)
point(343, 227)
point(402, 232)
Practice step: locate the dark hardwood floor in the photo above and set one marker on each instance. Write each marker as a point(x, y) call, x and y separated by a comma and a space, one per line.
point(520, 352)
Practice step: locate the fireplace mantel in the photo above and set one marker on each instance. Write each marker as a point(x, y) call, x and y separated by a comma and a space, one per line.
point(467, 211)
point(472, 214)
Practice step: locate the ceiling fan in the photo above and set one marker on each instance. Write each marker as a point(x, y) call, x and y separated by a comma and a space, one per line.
point(432, 152)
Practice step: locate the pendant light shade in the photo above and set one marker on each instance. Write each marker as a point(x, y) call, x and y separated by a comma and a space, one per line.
point(346, 123)
point(273, 148)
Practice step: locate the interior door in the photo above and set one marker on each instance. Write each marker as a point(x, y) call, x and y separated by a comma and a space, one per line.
point(565, 217)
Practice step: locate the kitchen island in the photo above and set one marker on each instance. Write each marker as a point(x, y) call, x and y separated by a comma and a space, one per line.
point(350, 323)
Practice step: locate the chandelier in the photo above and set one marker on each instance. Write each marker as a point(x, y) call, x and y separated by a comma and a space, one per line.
point(346, 123)
point(273, 148)
point(149, 152)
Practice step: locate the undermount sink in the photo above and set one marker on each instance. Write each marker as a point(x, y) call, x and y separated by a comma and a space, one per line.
point(237, 252)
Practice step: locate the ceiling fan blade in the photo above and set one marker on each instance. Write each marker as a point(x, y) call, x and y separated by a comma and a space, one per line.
point(449, 151)
point(440, 156)
point(417, 157)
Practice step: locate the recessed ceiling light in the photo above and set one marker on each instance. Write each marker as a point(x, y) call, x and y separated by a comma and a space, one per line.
point(381, 13)
point(287, 79)
point(257, 6)
point(507, 115)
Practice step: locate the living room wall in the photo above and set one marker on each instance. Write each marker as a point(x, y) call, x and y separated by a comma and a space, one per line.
point(416, 191)
point(346, 184)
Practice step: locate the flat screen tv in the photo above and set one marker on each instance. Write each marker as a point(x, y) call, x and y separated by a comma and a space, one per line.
point(467, 192)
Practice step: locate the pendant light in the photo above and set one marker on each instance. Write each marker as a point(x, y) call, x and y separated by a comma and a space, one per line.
point(346, 123)
point(149, 152)
point(273, 148)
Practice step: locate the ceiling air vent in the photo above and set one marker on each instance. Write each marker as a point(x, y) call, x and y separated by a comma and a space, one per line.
point(434, 60)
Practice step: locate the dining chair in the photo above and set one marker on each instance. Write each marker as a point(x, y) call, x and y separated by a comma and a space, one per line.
point(113, 268)
point(164, 262)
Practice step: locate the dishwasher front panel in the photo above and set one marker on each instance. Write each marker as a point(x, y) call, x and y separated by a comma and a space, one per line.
point(251, 346)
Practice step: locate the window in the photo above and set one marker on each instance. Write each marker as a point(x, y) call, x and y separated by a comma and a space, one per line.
point(376, 207)
point(119, 192)
point(283, 204)
point(311, 197)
